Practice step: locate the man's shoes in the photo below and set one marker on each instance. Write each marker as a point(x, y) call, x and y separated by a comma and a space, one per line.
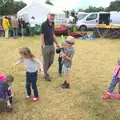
point(47, 78)
point(60, 75)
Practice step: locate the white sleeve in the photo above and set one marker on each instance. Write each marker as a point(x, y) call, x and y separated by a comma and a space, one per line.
point(18, 62)
point(40, 64)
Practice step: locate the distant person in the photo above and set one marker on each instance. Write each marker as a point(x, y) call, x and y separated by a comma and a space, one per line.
point(31, 72)
point(14, 23)
point(22, 27)
point(32, 26)
point(5, 90)
point(6, 26)
point(47, 43)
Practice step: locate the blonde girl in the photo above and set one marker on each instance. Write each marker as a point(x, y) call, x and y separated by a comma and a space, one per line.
point(31, 71)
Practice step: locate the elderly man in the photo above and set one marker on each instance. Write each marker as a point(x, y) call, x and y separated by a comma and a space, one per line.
point(47, 43)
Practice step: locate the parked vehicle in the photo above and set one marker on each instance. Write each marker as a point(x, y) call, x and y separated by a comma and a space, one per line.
point(62, 26)
point(90, 20)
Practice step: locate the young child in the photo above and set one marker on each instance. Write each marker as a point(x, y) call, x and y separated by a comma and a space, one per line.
point(67, 56)
point(31, 71)
point(115, 80)
point(60, 64)
point(5, 90)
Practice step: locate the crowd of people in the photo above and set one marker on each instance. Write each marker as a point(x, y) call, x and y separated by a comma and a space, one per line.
point(17, 26)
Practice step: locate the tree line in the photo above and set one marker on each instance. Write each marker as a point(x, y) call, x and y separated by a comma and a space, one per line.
point(10, 7)
point(114, 6)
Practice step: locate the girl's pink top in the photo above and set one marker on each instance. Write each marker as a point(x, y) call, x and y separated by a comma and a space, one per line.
point(2, 77)
point(116, 71)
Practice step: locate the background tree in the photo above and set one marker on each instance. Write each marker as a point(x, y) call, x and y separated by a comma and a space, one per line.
point(10, 7)
point(49, 2)
point(114, 6)
point(94, 9)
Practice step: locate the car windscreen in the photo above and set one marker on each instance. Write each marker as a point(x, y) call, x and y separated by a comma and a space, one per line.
point(82, 16)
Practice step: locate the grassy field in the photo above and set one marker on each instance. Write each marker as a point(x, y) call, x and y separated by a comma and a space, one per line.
point(92, 70)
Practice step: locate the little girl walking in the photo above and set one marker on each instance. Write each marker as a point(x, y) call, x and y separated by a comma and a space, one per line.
point(31, 71)
point(115, 80)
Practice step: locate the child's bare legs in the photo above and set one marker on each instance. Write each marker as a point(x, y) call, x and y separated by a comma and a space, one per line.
point(68, 79)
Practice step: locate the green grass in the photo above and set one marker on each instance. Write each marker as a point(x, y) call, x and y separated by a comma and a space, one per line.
point(92, 70)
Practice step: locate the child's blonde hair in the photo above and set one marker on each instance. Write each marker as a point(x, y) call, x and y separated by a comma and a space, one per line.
point(70, 38)
point(9, 78)
point(27, 53)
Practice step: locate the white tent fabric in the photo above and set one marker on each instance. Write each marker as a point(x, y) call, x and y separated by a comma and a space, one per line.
point(39, 11)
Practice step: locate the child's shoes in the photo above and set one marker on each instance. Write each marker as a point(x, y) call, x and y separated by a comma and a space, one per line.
point(27, 97)
point(35, 99)
point(116, 96)
point(107, 96)
point(65, 85)
point(62, 85)
point(9, 109)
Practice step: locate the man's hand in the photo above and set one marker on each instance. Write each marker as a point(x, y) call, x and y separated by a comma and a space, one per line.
point(55, 40)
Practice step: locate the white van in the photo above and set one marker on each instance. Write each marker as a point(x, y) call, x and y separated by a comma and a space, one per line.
point(115, 17)
point(92, 19)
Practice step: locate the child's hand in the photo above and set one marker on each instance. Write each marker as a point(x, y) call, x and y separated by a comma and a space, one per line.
point(62, 54)
point(42, 74)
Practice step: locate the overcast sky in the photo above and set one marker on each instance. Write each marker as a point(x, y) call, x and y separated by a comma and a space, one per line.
point(76, 3)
